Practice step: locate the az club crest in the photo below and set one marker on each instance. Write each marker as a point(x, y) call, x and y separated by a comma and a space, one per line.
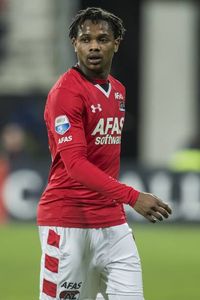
point(62, 124)
point(69, 295)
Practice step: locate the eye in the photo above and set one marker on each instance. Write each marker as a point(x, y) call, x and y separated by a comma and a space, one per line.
point(103, 40)
point(85, 39)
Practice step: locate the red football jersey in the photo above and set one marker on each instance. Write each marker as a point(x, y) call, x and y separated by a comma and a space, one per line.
point(84, 123)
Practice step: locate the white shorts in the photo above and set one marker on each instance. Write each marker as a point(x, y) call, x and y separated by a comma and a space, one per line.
point(79, 263)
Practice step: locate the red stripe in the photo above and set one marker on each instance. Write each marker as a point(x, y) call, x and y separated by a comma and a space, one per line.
point(49, 288)
point(51, 263)
point(53, 238)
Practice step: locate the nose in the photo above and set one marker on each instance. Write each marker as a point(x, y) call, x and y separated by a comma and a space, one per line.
point(94, 45)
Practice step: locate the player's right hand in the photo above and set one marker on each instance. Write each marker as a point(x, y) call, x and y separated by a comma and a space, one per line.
point(151, 207)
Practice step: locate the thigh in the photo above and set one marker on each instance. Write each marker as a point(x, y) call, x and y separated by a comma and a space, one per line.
point(66, 271)
point(122, 275)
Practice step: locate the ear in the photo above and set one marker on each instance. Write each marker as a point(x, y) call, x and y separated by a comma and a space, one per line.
point(117, 43)
point(74, 44)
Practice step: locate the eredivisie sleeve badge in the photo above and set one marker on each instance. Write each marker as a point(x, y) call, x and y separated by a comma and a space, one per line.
point(62, 124)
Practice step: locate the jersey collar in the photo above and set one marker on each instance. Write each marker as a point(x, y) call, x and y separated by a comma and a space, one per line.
point(102, 84)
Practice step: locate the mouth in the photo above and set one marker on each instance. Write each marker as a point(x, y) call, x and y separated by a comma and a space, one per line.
point(94, 59)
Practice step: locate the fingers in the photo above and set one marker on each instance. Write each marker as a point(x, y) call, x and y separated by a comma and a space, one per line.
point(154, 216)
point(151, 207)
point(157, 216)
point(159, 211)
point(163, 207)
point(163, 212)
point(150, 218)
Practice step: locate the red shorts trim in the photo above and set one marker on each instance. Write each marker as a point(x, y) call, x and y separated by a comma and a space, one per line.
point(53, 238)
point(51, 263)
point(49, 288)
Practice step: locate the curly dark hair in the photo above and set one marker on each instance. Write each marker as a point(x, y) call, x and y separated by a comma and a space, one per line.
point(96, 14)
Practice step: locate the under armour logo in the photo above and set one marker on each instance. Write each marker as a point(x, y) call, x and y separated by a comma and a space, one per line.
point(97, 107)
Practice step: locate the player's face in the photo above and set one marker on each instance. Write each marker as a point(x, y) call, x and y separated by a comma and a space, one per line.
point(95, 46)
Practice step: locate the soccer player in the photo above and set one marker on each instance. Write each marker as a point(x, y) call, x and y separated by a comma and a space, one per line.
point(87, 245)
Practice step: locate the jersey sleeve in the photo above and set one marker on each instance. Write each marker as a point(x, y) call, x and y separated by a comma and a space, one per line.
point(66, 115)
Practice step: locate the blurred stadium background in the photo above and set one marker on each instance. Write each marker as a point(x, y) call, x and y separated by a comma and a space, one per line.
point(160, 66)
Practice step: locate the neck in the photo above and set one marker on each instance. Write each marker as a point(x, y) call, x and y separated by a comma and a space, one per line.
point(92, 75)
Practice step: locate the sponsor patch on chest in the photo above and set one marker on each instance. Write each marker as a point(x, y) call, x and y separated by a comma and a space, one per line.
point(108, 131)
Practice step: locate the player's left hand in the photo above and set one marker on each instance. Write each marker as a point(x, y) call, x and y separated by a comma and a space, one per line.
point(151, 207)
